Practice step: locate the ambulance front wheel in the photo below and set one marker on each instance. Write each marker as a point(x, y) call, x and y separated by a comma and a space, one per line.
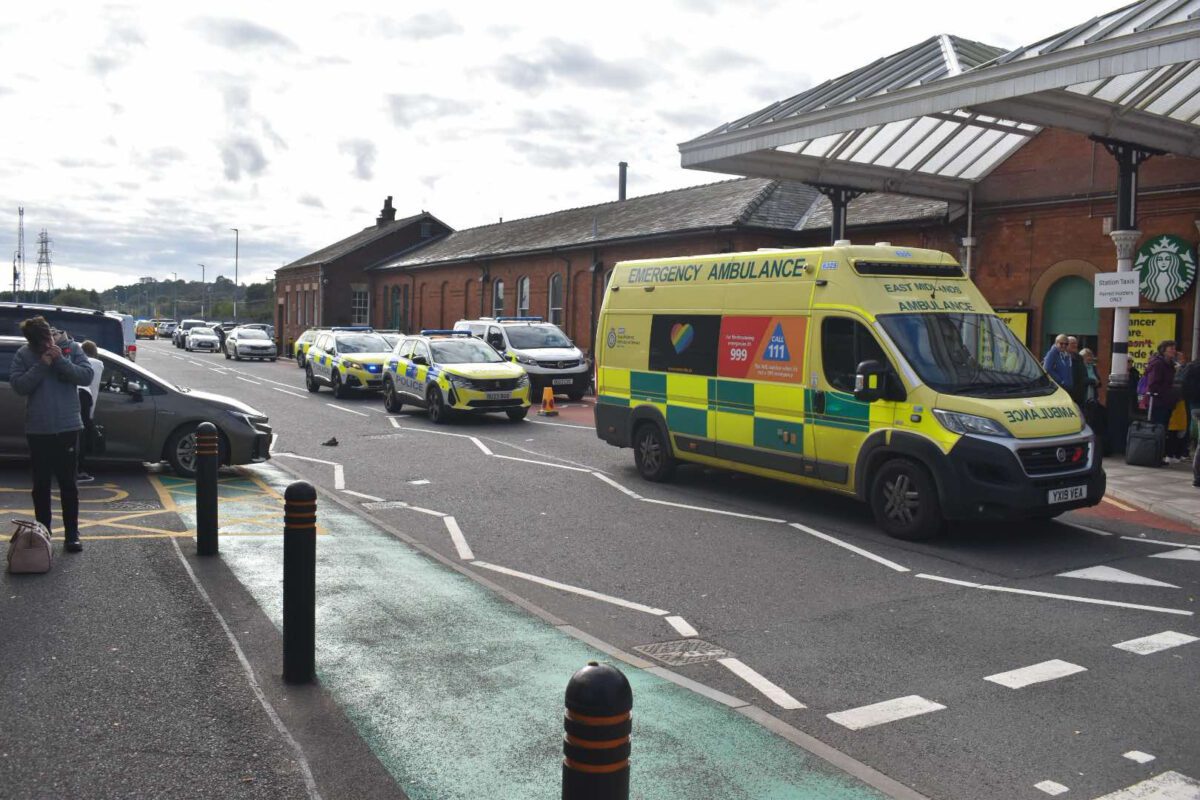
point(904, 500)
point(652, 453)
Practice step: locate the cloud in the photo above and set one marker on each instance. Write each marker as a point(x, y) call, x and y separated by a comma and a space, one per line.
point(705, 118)
point(241, 155)
point(722, 59)
point(237, 34)
point(576, 123)
point(120, 46)
point(159, 157)
point(311, 200)
point(422, 26)
point(409, 109)
point(570, 63)
point(363, 152)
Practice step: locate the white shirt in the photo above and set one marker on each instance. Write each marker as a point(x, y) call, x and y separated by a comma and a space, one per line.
point(97, 374)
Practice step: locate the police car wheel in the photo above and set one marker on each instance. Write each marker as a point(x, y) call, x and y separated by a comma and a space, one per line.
point(435, 406)
point(652, 453)
point(905, 502)
point(310, 380)
point(335, 380)
point(300, 361)
point(517, 414)
point(391, 398)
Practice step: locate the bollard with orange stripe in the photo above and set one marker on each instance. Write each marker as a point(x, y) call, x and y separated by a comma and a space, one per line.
point(207, 454)
point(299, 582)
point(598, 720)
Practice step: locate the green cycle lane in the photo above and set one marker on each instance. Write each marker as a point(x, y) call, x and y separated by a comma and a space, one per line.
point(459, 692)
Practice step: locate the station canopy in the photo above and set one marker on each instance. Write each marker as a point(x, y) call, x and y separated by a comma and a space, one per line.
point(935, 119)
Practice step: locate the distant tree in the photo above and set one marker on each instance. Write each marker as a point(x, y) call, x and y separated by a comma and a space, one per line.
point(80, 298)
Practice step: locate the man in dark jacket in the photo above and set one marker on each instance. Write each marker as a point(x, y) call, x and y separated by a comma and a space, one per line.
point(1079, 377)
point(1057, 362)
point(1160, 383)
point(48, 372)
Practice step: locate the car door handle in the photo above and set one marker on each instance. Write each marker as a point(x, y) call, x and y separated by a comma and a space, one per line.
point(818, 402)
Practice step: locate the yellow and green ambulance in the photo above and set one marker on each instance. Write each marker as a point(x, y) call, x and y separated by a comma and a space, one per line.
point(873, 371)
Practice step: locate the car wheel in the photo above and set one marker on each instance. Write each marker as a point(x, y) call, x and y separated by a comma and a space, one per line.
point(236, 357)
point(188, 349)
point(310, 380)
point(300, 361)
point(339, 389)
point(391, 398)
point(904, 500)
point(273, 359)
point(517, 414)
point(574, 397)
point(435, 406)
point(652, 453)
point(226, 353)
point(180, 451)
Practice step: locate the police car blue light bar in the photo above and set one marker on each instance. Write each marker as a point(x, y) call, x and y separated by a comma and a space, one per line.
point(519, 319)
point(445, 333)
point(354, 328)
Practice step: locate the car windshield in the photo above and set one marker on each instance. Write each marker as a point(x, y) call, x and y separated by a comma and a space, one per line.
point(531, 337)
point(362, 343)
point(391, 338)
point(202, 332)
point(464, 351)
point(251, 333)
point(972, 354)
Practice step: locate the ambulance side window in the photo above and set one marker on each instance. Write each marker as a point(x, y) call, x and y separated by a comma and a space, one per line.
point(846, 343)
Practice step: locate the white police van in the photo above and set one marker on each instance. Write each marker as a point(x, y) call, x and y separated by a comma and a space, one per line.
point(548, 356)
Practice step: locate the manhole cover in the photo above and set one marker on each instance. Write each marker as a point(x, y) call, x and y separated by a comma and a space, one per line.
point(683, 652)
point(132, 505)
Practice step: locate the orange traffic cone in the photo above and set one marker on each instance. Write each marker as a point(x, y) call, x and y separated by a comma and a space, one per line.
point(547, 409)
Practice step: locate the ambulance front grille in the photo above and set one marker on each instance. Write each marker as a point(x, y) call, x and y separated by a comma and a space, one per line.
point(1057, 459)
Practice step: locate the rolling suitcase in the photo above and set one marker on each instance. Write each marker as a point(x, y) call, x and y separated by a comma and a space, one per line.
point(1146, 442)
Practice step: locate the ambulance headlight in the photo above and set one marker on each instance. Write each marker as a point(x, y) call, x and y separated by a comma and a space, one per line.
point(956, 422)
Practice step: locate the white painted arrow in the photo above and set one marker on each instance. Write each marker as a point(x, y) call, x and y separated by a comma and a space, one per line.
point(1113, 575)
point(1186, 554)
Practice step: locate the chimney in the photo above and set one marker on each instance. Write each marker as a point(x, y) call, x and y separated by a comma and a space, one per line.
point(621, 182)
point(388, 214)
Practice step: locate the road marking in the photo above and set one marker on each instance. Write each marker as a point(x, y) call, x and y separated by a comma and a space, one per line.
point(277, 383)
point(382, 504)
point(1051, 788)
point(287, 391)
point(561, 425)
point(1167, 786)
point(339, 477)
point(1051, 595)
point(1138, 756)
point(460, 541)
point(617, 486)
point(887, 711)
point(421, 482)
point(347, 410)
point(682, 627)
point(772, 692)
point(394, 421)
point(308, 458)
point(1085, 528)
point(1158, 541)
point(1037, 673)
point(370, 497)
point(1118, 504)
point(247, 380)
point(271, 446)
point(616, 601)
point(1182, 554)
point(851, 548)
point(1156, 643)
point(215, 369)
point(542, 463)
point(481, 446)
point(709, 510)
point(1114, 575)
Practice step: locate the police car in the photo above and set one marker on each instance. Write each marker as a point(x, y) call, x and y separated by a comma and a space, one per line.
point(300, 347)
point(447, 372)
point(540, 347)
point(346, 361)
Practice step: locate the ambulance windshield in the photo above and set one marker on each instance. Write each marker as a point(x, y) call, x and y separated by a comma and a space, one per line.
point(973, 354)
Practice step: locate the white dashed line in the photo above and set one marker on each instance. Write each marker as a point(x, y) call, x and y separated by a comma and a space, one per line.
point(347, 410)
point(1138, 756)
point(481, 446)
point(769, 690)
point(421, 482)
point(617, 486)
point(1158, 541)
point(1037, 673)
point(1051, 788)
point(460, 541)
point(363, 496)
point(616, 601)
point(1052, 596)
point(887, 711)
point(287, 391)
point(850, 547)
point(709, 510)
point(1156, 643)
point(561, 425)
point(1167, 786)
point(542, 463)
point(682, 627)
point(247, 380)
point(339, 477)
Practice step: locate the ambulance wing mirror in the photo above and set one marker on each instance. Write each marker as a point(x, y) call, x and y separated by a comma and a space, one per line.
point(875, 381)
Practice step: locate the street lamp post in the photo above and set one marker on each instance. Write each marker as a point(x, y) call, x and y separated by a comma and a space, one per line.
point(203, 289)
point(175, 295)
point(236, 236)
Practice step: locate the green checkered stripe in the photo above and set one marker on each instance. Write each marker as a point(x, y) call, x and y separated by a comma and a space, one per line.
point(737, 397)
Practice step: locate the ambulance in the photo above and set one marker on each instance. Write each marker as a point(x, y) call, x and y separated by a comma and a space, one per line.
point(878, 372)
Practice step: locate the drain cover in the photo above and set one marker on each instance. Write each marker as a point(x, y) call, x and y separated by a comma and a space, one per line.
point(683, 652)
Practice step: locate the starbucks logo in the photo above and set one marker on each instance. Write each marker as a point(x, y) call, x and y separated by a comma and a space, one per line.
point(1168, 266)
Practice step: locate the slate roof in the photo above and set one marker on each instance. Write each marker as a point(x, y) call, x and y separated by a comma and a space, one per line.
point(877, 208)
point(744, 202)
point(352, 243)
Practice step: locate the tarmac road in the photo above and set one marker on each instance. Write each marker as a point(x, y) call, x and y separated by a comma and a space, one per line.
point(975, 666)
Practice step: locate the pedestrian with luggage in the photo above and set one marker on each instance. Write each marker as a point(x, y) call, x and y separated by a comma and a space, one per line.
point(48, 372)
point(87, 409)
point(1057, 362)
point(1160, 386)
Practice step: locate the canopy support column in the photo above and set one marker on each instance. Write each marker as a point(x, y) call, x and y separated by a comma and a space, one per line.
point(839, 199)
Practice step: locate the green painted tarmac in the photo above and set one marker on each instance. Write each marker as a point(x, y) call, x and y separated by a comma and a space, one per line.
point(459, 692)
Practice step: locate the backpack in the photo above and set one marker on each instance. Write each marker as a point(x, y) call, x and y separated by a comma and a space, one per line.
point(29, 549)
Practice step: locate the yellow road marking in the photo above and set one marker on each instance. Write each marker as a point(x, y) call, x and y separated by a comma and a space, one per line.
point(1119, 505)
point(164, 496)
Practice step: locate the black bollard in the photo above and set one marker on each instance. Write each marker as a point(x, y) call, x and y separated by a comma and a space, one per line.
point(597, 724)
point(299, 582)
point(207, 455)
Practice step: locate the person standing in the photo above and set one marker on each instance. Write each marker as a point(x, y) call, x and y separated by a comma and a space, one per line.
point(1190, 388)
point(87, 408)
point(1057, 362)
point(48, 372)
point(1160, 383)
point(1078, 388)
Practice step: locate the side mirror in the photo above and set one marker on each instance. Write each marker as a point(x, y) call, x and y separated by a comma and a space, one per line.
point(135, 389)
point(870, 381)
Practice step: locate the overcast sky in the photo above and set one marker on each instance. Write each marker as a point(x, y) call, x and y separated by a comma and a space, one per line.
point(138, 135)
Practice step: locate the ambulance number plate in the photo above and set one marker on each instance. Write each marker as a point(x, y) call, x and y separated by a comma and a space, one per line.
point(1067, 495)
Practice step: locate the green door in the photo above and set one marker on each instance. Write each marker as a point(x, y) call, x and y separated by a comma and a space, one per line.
point(1069, 309)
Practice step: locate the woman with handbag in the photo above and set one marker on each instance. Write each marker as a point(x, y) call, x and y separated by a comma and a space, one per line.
point(48, 372)
point(87, 409)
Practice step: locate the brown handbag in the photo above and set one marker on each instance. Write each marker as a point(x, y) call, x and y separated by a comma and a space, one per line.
point(29, 549)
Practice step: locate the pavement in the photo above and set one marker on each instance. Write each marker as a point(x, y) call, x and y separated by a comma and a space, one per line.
point(1166, 491)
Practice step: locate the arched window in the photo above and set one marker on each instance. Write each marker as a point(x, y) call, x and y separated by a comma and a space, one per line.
point(556, 299)
point(523, 297)
point(498, 298)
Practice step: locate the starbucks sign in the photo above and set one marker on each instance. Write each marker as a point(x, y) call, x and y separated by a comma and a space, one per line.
point(1167, 265)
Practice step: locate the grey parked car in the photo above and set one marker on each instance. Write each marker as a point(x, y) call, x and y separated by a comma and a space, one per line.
point(145, 418)
point(247, 342)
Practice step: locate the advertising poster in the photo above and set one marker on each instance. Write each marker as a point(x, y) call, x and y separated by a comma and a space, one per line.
point(763, 348)
point(1017, 320)
point(684, 343)
point(1146, 330)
